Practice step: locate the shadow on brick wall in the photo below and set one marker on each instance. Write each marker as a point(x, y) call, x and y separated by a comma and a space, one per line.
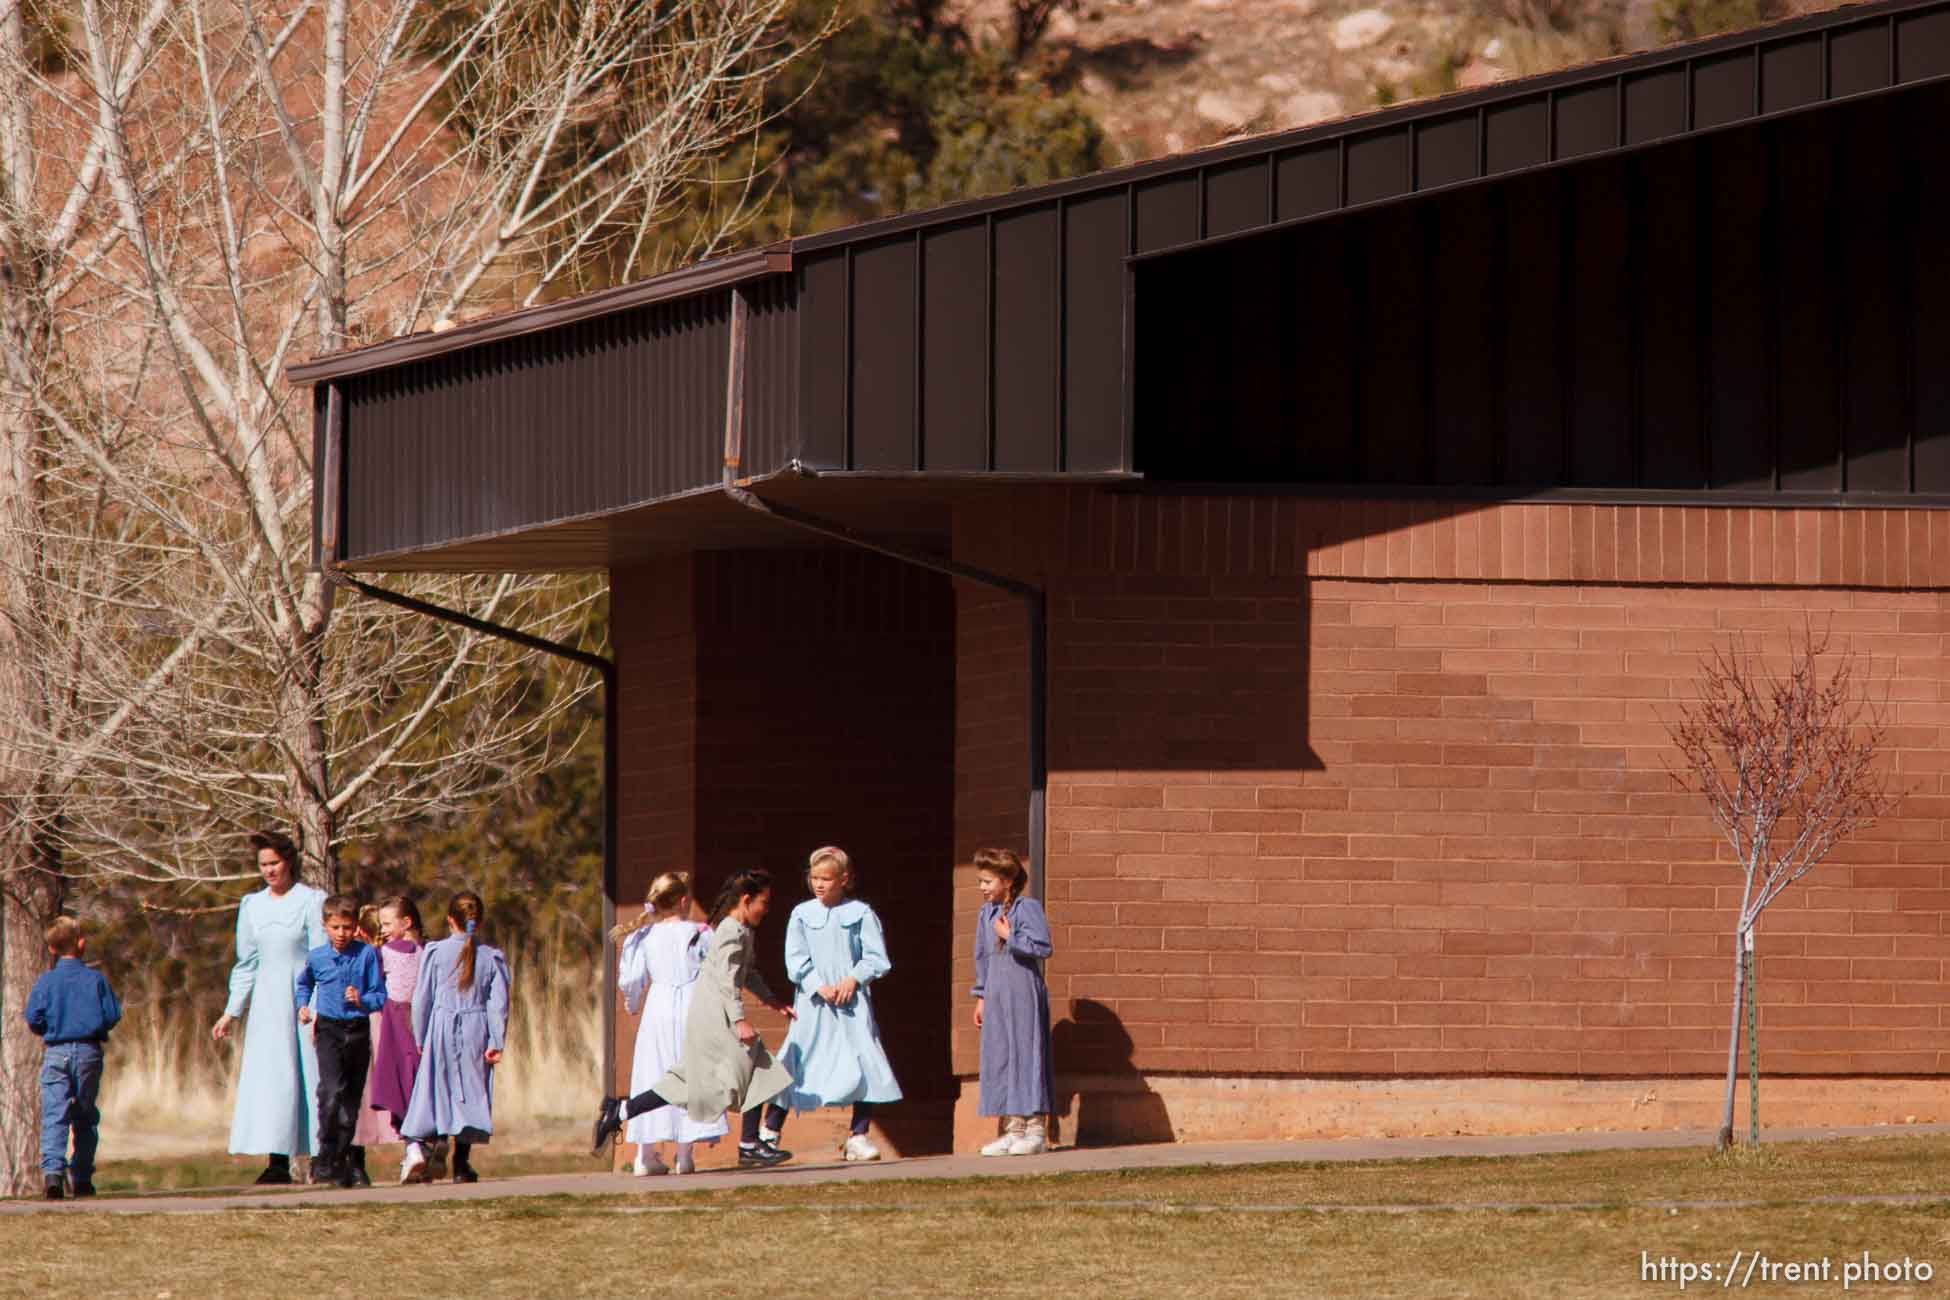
point(1098, 1087)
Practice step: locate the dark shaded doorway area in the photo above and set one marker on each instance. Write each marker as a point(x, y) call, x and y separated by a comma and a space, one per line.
point(825, 715)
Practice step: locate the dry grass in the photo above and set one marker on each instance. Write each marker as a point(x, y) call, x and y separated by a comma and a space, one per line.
point(168, 1090)
point(596, 1248)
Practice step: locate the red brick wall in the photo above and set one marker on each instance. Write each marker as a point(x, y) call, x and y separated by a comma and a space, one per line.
point(1410, 815)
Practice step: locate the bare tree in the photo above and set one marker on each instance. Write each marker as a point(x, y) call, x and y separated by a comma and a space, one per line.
point(197, 192)
point(1785, 758)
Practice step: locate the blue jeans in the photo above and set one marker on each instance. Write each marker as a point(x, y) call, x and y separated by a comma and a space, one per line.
point(71, 1076)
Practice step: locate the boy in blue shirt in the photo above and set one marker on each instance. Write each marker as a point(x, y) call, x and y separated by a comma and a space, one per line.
point(345, 974)
point(71, 1009)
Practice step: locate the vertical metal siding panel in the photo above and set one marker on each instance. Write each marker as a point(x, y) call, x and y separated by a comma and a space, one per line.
point(319, 396)
point(1167, 213)
point(1923, 45)
point(1790, 74)
point(1389, 438)
point(1461, 355)
point(1734, 252)
point(1446, 151)
point(1808, 400)
point(1236, 197)
point(1655, 105)
point(1322, 364)
point(955, 360)
point(707, 441)
point(1872, 240)
point(1518, 135)
point(1025, 341)
point(1377, 166)
point(771, 376)
point(1093, 327)
point(1531, 398)
point(822, 361)
point(1600, 336)
point(1306, 182)
point(1723, 89)
point(1931, 344)
point(884, 343)
point(1858, 59)
point(1671, 334)
point(1585, 120)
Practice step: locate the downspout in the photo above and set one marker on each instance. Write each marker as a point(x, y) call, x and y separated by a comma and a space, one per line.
point(330, 484)
point(1035, 608)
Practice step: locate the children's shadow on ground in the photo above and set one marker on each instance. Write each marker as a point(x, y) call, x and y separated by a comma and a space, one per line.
point(1111, 1102)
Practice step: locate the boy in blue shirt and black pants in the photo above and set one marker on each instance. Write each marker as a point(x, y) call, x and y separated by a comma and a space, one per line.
point(71, 1009)
point(345, 974)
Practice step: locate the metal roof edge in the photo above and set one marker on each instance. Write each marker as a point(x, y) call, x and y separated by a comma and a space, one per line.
point(1362, 123)
point(703, 277)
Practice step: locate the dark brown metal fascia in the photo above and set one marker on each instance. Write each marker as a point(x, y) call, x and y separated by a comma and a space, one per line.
point(1514, 173)
point(1442, 106)
point(736, 269)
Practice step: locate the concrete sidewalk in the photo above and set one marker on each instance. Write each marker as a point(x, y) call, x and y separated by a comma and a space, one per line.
point(1066, 1160)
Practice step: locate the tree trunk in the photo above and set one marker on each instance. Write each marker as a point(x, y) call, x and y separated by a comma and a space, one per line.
point(30, 897)
point(1733, 1037)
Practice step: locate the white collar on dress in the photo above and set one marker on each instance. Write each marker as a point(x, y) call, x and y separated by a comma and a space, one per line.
point(814, 915)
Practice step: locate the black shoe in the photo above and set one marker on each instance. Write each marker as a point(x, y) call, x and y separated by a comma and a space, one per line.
point(322, 1172)
point(82, 1189)
point(360, 1177)
point(347, 1178)
point(276, 1174)
point(609, 1122)
point(54, 1189)
point(465, 1174)
point(761, 1155)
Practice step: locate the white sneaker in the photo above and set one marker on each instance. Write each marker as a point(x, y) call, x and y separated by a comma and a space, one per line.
point(648, 1165)
point(1001, 1146)
point(413, 1164)
point(685, 1165)
point(1029, 1144)
point(858, 1147)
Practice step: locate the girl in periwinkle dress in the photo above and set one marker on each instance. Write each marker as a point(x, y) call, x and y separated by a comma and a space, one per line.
point(1012, 1004)
point(460, 1021)
point(657, 970)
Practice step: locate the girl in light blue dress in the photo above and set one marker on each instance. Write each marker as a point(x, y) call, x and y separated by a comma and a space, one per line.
point(277, 1088)
point(834, 951)
point(460, 1020)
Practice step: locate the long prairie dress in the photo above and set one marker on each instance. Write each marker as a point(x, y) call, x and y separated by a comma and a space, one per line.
point(716, 1072)
point(1015, 1010)
point(277, 1083)
point(834, 1053)
point(658, 970)
point(395, 1057)
point(453, 1090)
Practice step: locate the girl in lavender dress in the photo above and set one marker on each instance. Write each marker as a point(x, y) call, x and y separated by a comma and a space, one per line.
point(395, 1058)
point(460, 1021)
point(1012, 1004)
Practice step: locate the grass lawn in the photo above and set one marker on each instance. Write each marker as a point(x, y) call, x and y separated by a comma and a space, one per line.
point(1200, 1232)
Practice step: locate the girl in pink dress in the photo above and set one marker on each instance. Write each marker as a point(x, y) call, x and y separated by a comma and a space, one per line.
point(395, 1056)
